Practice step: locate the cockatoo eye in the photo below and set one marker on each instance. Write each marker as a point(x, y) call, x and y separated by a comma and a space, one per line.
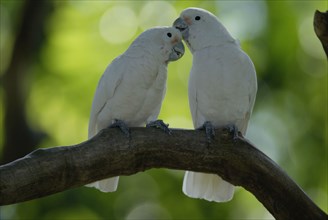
point(169, 34)
point(197, 18)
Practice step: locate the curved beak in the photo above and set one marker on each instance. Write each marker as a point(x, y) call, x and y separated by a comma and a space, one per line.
point(182, 26)
point(177, 52)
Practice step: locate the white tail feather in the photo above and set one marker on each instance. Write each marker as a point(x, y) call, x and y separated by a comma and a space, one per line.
point(207, 186)
point(105, 185)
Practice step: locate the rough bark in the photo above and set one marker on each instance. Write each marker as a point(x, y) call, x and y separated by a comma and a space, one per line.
point(110, 153)
point(320, 24)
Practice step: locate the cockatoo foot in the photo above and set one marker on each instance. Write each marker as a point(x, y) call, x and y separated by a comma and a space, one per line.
point(121, 125)
point(209, 130)
point(161, 125)
point(234, 130)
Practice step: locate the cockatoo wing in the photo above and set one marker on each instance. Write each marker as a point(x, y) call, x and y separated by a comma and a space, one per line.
point(133, 85)
point(222, 89)
point(107, 85)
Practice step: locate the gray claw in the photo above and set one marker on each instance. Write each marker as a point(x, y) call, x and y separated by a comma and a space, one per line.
point(159, 124)
point(121, 125)
point(234, 130)
point(209, 130)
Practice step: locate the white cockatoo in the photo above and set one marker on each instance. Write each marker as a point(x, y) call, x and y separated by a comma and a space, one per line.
point(222, 90)
point(132, 88)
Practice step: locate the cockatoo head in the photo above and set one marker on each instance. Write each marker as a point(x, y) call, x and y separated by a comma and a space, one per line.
point(163, 43)
point(200, 29)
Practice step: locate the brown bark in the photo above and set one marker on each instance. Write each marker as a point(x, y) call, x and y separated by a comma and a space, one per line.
point(320, 24)
point(110, 153)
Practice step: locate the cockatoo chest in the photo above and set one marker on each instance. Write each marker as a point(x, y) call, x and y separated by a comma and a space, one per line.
point(142, 92)
point(218, 87)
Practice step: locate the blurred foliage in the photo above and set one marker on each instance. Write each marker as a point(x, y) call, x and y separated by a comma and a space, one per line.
point(289, 122)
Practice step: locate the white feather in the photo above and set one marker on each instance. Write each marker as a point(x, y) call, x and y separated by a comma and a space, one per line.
point(133, 86)
point(222, 90)
point(207, 186)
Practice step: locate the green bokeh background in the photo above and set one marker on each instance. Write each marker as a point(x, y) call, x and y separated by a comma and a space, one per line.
point(289, 122)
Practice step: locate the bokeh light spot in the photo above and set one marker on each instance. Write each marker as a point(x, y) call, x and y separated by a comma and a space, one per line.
point(148, 211)
point(150, 16)
point(118, 24)
point(309, 41)
point(245, 20)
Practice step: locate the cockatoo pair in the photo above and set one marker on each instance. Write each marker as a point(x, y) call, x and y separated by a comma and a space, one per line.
point(222, 89)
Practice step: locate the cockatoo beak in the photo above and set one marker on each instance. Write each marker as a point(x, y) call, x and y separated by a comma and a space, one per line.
point(177, 52)
point(182, 26)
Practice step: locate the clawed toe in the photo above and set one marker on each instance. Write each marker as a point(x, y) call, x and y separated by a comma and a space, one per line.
point(209, 130)
point(234, 130)
point(122, 126)
point(161, 125)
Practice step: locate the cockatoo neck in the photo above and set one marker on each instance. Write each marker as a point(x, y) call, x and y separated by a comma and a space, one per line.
point(199, 38)
point(203, 43)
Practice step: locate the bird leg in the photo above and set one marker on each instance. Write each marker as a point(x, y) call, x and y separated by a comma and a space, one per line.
point(121, 125)
point(159, 124)
point(209, 130)
point(234, 130)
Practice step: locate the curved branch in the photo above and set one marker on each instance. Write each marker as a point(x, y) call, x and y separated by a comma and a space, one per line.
point(320, 24)
point(110, 153)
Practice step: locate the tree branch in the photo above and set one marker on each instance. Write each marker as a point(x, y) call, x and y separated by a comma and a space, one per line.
point(110, 153)
point(320, 24)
